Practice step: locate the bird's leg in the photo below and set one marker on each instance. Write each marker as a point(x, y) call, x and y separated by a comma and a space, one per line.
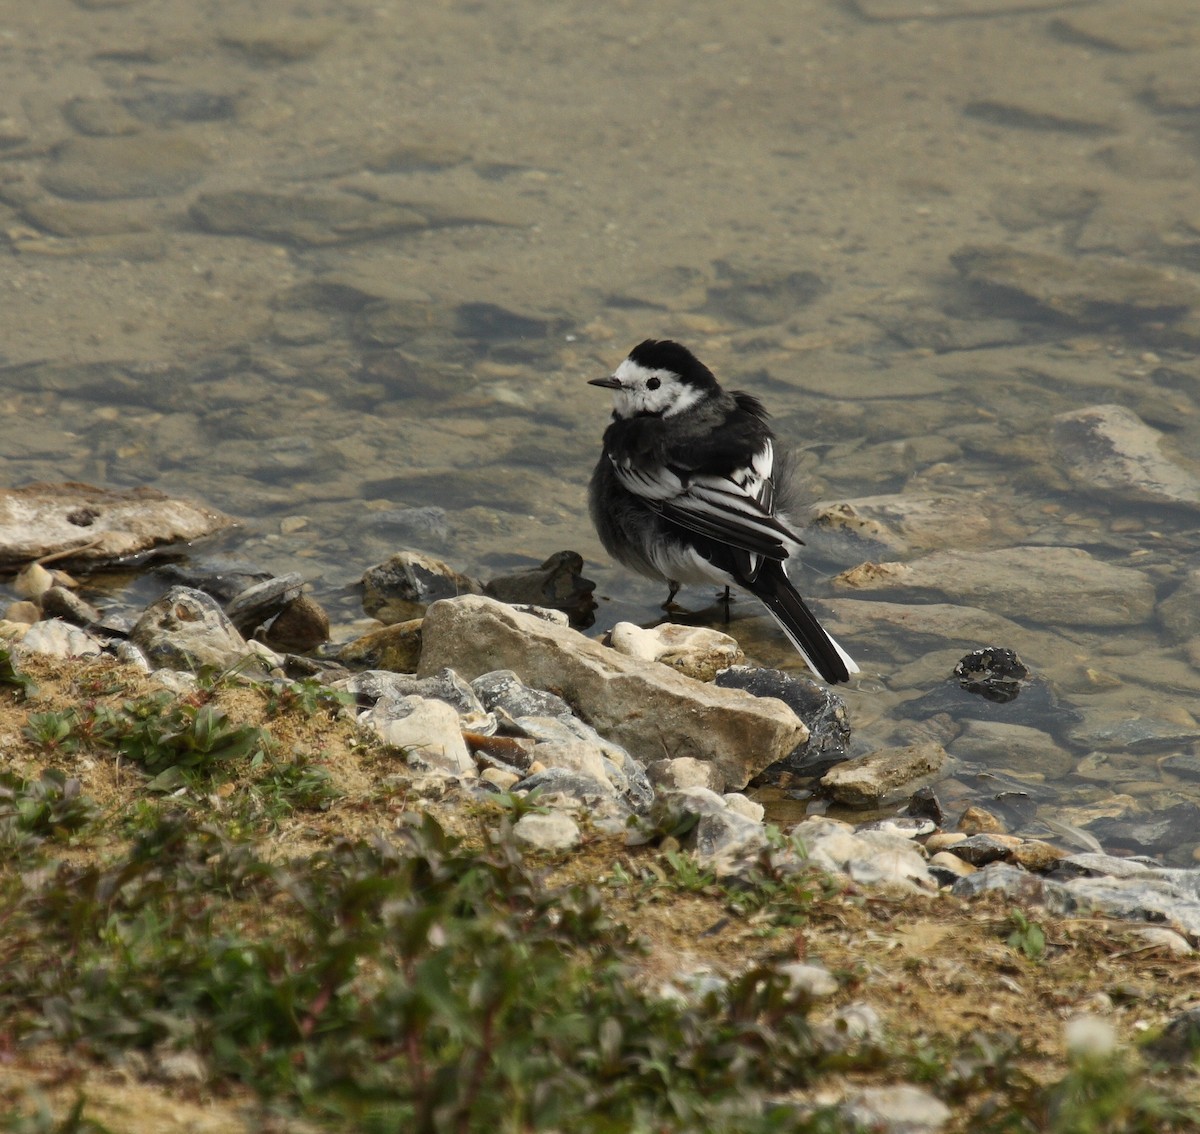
point(671, 593)
point(726, 600)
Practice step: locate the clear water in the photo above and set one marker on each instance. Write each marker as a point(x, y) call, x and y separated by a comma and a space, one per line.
point(780, 186)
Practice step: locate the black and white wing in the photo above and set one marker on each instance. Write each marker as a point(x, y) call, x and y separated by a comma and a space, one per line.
point(731, 508)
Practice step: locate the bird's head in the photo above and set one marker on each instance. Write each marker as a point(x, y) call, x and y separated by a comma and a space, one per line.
point(659, 378)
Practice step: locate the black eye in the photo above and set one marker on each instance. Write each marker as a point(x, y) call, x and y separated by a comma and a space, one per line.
point(653, 383)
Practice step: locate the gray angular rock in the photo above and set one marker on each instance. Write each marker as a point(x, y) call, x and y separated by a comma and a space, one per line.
point(551, 831)
point(865, 856)
point(646, 708)
point(445, 685)
point(885, 775)
point(1179, 612)
point(60, 639)
point(503, 691)
point(427, 730)
point(187, 630)
point(822, 711)
point(402, 587)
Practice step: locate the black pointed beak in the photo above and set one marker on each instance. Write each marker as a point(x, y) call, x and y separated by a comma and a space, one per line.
point(609, 383)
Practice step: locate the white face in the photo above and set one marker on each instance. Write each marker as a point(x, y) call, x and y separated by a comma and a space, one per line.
point(651, 391)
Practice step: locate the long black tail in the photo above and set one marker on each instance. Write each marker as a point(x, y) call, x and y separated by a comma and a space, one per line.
point(774, 589)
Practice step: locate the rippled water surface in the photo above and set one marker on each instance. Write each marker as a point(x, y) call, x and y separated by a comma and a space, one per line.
point(322, 270)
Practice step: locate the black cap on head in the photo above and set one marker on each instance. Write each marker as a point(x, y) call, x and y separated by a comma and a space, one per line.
point(664, 354)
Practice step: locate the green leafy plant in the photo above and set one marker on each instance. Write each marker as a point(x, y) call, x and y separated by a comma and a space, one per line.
point(309, 697)
point(1026, 936)
point(12, 678)
point(51, 806)
point(159, 732)
point(52, 732)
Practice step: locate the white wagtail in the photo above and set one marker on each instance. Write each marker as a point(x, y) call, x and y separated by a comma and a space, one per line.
point(687, 487)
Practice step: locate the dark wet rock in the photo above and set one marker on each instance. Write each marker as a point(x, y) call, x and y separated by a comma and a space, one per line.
point(274, 41)
point(402, 587)
point(1122, 731)
point(924, 804)
point(95, 525)
point(224, 579)
point(305, 219)
point(1088, 290)
point(300, 626)
point(885, 775)
point(396, 647)
point(1150, 833)
point(1033, 115)
point(1186, 765)
point(1022, 207)
point(762, 296)
point(261, 601)
point(1179, 1040)
point(635, 704)
point(61, 602)
point(1109, 450)
point(415, 524)
point(822, 711)
point(1179, 612)
point(1038, 707)
point(993, 673)
point(558, 584)
point(929, 329)
point(186, 630)
point(164, 105)
point(981, 849)
point(502, 691)
point(100, 117)
point(142, 165)
point(1150, 25)
point(1063, 585)
point(490, 323)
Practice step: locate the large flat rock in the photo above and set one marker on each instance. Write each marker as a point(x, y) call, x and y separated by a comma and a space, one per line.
point(648, 708)
point(81, 523)
point(1047, 585)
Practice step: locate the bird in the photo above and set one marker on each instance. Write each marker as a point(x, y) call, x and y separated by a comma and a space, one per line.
point(688, 489)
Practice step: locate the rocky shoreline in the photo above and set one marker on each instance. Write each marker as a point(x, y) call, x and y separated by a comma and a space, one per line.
point(511, 699)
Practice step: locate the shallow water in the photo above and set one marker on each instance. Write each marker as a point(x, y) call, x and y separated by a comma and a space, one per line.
point(508, 199)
